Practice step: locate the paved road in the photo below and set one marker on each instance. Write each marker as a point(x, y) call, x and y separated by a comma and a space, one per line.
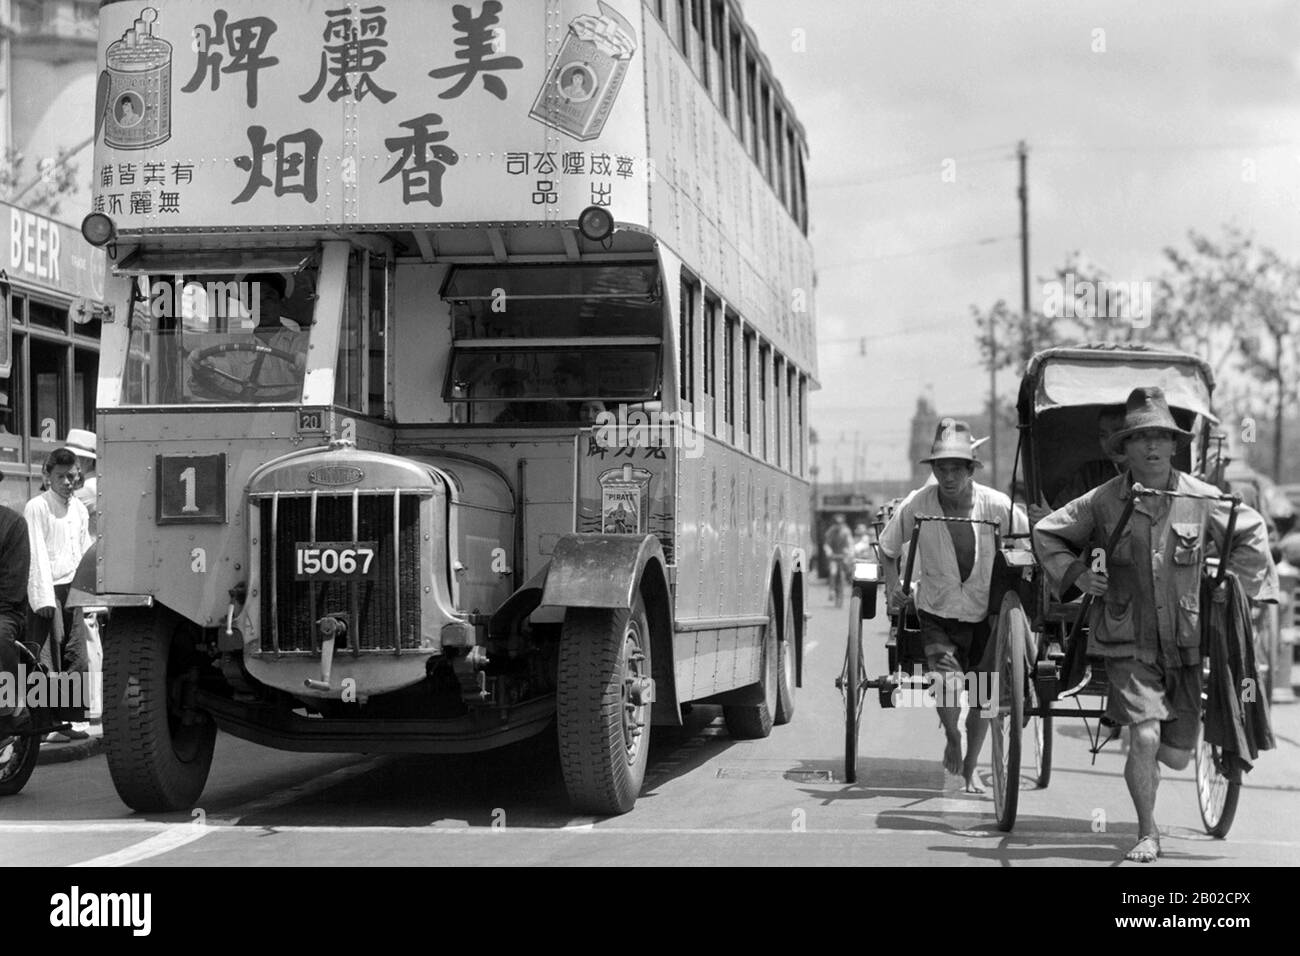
point(707, 800)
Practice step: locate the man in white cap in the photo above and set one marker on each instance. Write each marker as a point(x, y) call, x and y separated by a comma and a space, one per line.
point(1147, 624)
point(84, 445)
point(85, 621)
point(954, 565)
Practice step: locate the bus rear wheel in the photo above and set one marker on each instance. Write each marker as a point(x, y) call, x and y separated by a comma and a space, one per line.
point(603, 703)
point(754, 721)
point(785, 670)
point(159, 746)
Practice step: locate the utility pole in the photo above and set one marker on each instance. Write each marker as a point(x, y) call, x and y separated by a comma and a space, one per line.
point(1027, 344)
point(993, 400)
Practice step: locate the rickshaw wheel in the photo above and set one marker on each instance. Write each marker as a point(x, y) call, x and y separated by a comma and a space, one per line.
point(18, 757)
point(602, 710)
point(1040, 731)
point(1009, 659)
point(854, 694)
point(1216, 793)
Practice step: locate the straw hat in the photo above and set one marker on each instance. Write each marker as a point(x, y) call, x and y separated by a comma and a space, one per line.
point(952, 439)
point(82, 443)
point(1145, 409)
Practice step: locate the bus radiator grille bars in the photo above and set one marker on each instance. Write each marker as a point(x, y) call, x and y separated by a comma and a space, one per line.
point(387, 605)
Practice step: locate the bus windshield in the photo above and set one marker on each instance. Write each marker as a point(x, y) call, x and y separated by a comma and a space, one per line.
point(220, 337)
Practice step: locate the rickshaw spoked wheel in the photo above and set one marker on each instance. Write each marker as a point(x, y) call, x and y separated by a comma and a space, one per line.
point(18, 758)
point(1009, 668)
point(854, 691)
point(1216, 792)
point(1040, 728)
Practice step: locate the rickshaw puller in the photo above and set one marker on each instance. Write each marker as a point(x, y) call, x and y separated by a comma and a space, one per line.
point(1147, 624)
point(956, 570)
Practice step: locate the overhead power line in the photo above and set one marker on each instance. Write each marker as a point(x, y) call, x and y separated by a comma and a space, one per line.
point(988, 241)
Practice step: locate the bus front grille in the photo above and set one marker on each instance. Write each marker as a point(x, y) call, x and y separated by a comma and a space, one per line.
point(383, 613)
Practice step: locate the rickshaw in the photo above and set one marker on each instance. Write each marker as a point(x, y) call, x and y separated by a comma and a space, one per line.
point(1038, 637)
point(20, 737)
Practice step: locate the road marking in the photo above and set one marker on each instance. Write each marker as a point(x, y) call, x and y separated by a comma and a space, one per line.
point(175, 836)
point(183, 833)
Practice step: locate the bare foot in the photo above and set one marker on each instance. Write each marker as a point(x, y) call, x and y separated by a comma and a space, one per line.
point(1145, 850)
point(952, 755)
point(973, 784)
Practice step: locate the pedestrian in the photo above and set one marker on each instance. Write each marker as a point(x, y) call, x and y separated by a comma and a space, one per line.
point(954, 567)
point(59, 533)
point(1146, 625)
point(85, 446)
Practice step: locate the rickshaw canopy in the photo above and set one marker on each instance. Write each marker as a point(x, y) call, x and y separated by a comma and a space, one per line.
point(1104, 375)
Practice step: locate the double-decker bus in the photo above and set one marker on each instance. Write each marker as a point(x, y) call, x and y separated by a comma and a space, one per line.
point(456, 381)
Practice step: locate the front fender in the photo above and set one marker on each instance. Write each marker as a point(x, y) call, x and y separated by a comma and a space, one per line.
point(598, 570)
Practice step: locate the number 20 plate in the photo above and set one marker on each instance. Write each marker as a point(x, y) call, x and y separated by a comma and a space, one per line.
point(336, 560)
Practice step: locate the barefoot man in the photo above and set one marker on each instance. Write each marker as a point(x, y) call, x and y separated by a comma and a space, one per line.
point(953, 567)
point(1145, 622)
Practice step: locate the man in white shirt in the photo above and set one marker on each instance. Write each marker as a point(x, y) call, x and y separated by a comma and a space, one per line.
point(954, 570)
point(58, 528)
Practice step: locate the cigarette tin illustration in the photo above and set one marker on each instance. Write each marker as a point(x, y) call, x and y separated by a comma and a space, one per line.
point(584, 77)
point(134, 95)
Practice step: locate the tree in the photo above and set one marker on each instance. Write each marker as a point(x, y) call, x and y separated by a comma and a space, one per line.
point(43, 190)
point(1230, 301)
point(1237, 305)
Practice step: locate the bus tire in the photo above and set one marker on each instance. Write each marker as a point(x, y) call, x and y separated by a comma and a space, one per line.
point(754, 721)
point(18, 758)
point(602, 708)
point(159, 753)
point(785, 671)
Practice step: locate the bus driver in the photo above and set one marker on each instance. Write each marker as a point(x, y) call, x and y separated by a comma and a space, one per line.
point(239, 368)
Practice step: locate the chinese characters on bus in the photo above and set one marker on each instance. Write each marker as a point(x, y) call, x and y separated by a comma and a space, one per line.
point(349, 46)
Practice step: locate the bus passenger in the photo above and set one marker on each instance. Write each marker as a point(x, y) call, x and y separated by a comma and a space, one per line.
point(954, 565)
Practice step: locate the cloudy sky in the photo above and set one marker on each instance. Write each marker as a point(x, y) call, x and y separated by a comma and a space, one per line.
point(1142, 121)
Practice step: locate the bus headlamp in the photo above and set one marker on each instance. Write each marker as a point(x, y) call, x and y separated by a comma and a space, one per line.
point(596, 224)
point(98, 229)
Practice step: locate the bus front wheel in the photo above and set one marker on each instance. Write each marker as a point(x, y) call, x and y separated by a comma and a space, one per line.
point(159, 746)
point(603, 702)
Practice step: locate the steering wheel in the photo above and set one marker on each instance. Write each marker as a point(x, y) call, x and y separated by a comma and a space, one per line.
point(217, 383)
